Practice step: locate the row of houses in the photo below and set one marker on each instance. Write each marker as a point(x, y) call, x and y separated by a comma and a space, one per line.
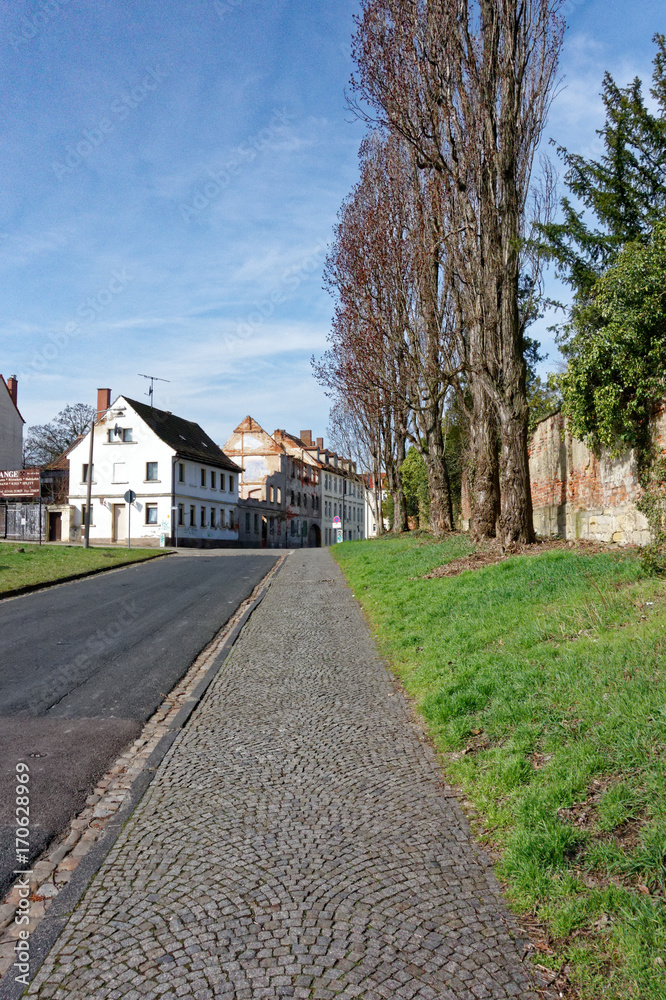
point(159, 479)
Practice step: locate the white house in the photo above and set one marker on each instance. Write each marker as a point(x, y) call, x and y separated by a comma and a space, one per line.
point(11, 426)
point(373, 498)
point(186, 487)
point(341, 493)
point(343, 497)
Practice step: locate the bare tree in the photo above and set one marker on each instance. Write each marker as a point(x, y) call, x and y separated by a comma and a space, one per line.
point(366, 364)
point(395, 332)
point(467, 83)
point(355, 431)
point(45, 442)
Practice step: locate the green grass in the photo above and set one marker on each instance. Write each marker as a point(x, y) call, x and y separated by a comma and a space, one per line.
point(25, 565)
point(543, 684)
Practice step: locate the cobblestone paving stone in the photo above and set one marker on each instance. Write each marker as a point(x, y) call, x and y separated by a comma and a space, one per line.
point(297, 841)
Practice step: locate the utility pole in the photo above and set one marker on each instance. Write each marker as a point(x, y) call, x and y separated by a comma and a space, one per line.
point(86, 527)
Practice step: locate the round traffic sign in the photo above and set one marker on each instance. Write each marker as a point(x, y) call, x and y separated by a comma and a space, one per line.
point(336, 520)
point(130, 496)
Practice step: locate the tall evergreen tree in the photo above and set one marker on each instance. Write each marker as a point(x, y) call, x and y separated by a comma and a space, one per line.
point(622, 195)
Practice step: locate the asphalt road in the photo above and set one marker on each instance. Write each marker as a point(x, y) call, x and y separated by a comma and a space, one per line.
point(83, 665)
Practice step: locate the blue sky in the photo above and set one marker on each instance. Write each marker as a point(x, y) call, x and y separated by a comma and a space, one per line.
point(171, 176)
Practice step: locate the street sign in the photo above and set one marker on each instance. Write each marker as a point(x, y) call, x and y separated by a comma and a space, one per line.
point(129, 499)
point(336, 521)
point(340, 539)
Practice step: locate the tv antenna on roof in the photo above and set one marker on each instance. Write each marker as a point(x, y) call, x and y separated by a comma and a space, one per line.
point(153, 379)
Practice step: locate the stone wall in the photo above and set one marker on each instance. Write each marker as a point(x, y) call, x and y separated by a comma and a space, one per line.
point(577, 494)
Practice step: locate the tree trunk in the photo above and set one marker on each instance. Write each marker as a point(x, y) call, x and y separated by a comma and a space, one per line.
point(483, 466)
point(439, 490)
point(516, 519)
point(439, 487)
point(516, 522)
point(399, 510)
point(399, 502)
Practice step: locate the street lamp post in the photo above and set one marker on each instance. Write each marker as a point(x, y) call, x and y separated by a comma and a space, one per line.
point(86, 530)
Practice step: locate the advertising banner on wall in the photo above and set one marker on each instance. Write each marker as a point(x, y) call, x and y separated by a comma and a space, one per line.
point(16, 484)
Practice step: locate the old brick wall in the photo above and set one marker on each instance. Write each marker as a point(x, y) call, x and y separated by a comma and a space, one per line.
point(576, 494)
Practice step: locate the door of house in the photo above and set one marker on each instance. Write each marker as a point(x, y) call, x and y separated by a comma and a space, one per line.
point(55, 526)
point(119, 522)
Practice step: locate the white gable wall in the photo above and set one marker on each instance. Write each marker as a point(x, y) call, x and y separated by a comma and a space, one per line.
point(11, 433)
point(120, 465)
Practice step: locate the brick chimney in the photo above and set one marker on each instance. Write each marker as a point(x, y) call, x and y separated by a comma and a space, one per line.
point(103, 401)
point(320, 444)
point(12, 385)
point(306, 437)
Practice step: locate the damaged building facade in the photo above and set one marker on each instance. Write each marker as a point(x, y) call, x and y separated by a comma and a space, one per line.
point(292, 489)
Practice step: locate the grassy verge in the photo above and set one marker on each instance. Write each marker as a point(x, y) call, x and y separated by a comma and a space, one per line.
point(23, 565)
point(543, 682)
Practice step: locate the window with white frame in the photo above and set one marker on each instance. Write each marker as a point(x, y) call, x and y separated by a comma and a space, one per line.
point(151, 513)
point(151, 472)
point(117, 434)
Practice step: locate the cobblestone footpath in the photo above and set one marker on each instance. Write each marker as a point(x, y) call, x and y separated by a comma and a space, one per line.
point(297, 841)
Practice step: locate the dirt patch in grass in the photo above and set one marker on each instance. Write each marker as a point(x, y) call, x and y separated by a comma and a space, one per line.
point(626, 835)
point(492, 552)
point(584, 814)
